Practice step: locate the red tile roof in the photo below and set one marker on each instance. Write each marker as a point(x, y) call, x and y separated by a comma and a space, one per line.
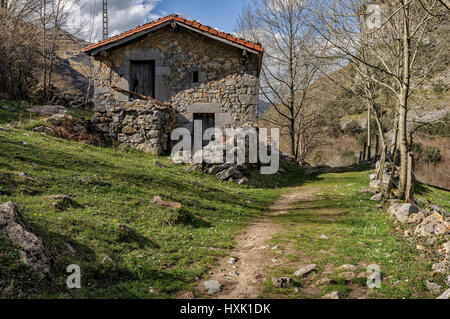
point(251, 45)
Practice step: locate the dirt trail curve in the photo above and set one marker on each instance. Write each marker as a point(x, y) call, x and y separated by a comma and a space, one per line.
point(242, 280)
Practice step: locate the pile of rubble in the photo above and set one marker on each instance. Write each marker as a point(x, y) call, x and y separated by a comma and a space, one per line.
point(58, 122)
point(423, 223)
point(428, 226)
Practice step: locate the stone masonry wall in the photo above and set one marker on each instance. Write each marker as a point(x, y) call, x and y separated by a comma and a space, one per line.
point(141, 125)
point(228, 79)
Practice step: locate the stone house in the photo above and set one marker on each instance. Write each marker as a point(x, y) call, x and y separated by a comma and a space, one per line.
point(168, 73)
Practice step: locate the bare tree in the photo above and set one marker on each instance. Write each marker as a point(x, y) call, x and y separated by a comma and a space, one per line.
point(53, 17)
point(396, 47)
point(17, 47)
point(288, 70)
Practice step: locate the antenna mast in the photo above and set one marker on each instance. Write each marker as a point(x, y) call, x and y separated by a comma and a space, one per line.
point(105, 19)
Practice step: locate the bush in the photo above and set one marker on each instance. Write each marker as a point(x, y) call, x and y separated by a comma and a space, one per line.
point(432, 155)
point(352, 128)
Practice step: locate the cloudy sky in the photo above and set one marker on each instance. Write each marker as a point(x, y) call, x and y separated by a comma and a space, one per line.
point(126, 14)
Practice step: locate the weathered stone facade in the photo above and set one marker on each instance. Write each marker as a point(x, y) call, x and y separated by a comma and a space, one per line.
point(227, 86)
point(141, 125)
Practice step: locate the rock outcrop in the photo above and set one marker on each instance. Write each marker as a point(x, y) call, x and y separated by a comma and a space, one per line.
point(32, 250)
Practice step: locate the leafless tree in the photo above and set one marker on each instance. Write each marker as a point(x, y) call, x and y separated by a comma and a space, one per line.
point(53, 17)
point(397, 47)
point(17, 47)
point(288, 70)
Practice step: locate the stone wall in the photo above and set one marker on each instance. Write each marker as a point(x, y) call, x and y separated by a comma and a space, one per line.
point(228, 78)
point(142, 125)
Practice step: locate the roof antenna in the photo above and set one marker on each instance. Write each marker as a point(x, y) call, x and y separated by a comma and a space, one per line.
point(105, 19)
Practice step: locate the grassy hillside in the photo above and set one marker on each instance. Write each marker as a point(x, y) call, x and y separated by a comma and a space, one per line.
point(129, 248)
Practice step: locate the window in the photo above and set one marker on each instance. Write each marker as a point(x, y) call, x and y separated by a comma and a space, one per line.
point(195, 77)
point(142, 78)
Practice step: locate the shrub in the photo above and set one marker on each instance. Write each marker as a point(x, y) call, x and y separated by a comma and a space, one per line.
point(352, 128)
point(432, 155)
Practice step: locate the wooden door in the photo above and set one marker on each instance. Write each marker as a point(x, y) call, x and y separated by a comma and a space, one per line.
point(142, 78)
point(208, 121)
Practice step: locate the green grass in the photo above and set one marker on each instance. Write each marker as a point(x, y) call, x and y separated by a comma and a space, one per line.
point(163, 248)
point(168, 249)
point(359, 233)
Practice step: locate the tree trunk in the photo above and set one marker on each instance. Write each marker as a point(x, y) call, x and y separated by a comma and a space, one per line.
point(404, 92)
point(369, 134)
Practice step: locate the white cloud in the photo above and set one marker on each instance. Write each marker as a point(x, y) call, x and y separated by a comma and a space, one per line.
point(123, 16)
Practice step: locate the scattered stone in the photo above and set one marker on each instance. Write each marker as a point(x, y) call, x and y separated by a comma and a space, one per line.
point(323, 237)
point(61, 202)
point(57, 119)
point(333, 295)
point(44, 129)
point(151, 290)
point(48, 110)
point(233, 273)
point(445, 295)
point(420, 248)
point(432, 225)
point(32, 250)
point(433, 287)
point(158, 201)
point(244, 180)
point(324, 281)
point(408, 233)
point(213, 287)
point(403, 212)
point(25, 144)
point(304, 271)
point(378, 197)
point(274, 247)
point(232, 260)
point(348, 275)
point(71, 249)
point(347, 267)
point(296, 290)
point(106, 260)
point(440, 268)
point(373, 177)
point(281, 282)
point(416, 218)
point(24, 175)
point(363, 275)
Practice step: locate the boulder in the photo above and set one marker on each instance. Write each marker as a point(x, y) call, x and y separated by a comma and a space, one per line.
point(230, 173)
point(416, 218)
point(440, 268)
point(346, 267)
point(281, 282)
point(445, 295)
point(348, 275)
point(32, 251)
point(324, 282)
point(57, 119)
point(378, 197)
point(213, 287)
point(403, 212)
point(433, 287)
point(432, 225)
point(48, 110)
point(333, 295)
point(214, 170)
point(304, 271)
point(44, 129)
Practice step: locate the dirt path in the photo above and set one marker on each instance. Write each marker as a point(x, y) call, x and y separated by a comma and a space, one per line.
point(242, 279)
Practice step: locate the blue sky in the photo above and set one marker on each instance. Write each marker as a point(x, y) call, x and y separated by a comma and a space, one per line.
point(127, 14)
point(221, 14)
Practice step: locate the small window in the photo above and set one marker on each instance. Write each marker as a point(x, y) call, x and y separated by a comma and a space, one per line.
point(195, 77)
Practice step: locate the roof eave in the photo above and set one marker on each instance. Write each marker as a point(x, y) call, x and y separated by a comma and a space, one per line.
point(97, 50)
